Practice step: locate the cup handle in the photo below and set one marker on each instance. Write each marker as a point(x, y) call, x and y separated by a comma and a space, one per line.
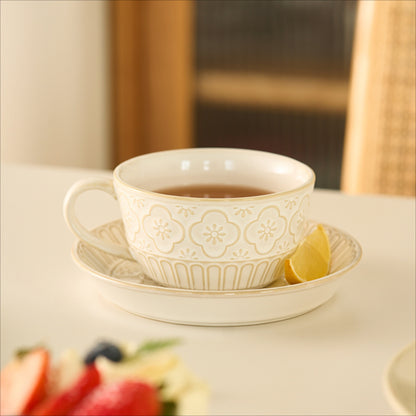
point(77, 228)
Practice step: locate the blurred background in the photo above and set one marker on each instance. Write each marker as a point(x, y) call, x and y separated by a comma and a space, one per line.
point(92, 83)
point(274, 76)
point(55, 83)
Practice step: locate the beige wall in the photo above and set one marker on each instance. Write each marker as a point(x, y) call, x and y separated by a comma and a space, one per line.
point(54, 83)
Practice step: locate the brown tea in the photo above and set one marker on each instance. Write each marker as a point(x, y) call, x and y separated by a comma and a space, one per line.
point(214, 191)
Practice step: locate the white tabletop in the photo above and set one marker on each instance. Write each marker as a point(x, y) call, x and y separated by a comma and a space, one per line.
point(328, 361)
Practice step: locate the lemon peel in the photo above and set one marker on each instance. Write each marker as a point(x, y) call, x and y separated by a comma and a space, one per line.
point(311, 259)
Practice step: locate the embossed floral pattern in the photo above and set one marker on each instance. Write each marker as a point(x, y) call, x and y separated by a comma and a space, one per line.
point(298, 220)
point(290, 203)
point(131, 221)
point(243, 212)
point(163, 229)
point(185, 211)
point(284, 245)
point(346, 254)
point(192, 244)
point(240, 254)
point(266, 230)
point(187, 254)
point(144, 245)
point(214, 233)
point(139, 203)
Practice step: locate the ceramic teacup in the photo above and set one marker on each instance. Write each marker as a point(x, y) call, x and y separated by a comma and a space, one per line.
point(237, 239)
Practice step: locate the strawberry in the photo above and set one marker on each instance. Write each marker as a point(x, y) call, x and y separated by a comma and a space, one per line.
point(62, 403)
point(120, 398)
point(23, 382)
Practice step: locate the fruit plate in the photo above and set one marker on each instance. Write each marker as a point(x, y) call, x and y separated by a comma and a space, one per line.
point(399, 381)
point(123, 283)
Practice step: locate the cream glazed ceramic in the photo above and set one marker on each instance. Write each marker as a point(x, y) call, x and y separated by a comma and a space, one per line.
point(124, 283)
point(195, 245)
point(400, 381)
point(206, 243)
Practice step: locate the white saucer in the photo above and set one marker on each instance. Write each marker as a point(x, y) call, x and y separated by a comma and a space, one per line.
point(399, 381)
point(123, 283)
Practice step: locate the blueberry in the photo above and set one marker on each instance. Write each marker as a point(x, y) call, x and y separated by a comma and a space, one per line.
point(106, 349)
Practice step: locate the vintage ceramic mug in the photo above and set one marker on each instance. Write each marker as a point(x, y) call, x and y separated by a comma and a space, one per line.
point(214, 243)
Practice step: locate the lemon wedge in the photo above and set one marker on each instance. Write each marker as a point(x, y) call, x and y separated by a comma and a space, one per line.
point(311, 259)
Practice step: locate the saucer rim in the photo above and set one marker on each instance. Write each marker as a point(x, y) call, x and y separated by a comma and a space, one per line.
point(394, 400)
point(223, 293)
